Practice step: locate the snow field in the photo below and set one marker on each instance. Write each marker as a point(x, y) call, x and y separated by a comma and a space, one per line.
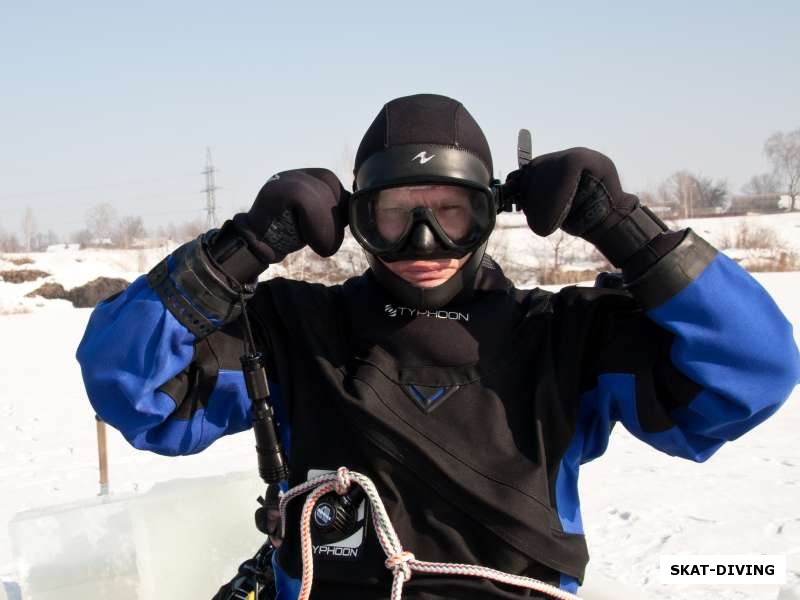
point(637, 503)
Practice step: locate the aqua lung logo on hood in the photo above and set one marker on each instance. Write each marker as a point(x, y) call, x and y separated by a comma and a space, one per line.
point(423, 157)
point(404, 311)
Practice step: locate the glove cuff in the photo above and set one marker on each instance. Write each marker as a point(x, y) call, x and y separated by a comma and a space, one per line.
point(673, 272)
point(231, 252)
point(195, 292)
point(616, 224)
point(620, 242)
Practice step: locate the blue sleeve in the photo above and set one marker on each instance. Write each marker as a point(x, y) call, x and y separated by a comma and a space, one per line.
point(729, 361)
point(150, 378)
point(731, 340)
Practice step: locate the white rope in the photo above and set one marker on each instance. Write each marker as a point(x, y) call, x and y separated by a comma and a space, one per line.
point(401, 562)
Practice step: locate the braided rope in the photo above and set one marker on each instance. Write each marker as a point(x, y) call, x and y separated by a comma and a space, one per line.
point(401, 562)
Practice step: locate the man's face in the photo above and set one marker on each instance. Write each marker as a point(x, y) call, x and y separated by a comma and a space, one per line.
point(451, 207)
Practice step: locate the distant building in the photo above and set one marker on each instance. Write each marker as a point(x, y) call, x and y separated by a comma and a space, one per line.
point(62, 247)
point(759, 203)
point(665, 211)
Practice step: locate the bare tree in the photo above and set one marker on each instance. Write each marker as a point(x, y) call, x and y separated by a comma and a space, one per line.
point(9, 242)
point(648, 198)
point(28, 228)
point(41, 240)
point(693, 194)
point(127, 230)
point(100, 222)
point(763, 183)
point(680, 189)
point(83, 237)
point(167, 232)
point(713, 194)
point(783, 151)
point(191, 229)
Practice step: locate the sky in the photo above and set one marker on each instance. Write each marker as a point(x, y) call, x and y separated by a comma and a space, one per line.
point(117, 102)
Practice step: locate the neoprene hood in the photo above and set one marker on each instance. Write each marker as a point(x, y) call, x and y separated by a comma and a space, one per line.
point(415, 140)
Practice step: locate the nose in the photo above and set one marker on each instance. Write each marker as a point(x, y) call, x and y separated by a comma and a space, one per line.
point(423, 240)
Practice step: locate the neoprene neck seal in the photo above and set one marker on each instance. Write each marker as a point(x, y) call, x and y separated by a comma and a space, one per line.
point(423, 139)
point(434, 297)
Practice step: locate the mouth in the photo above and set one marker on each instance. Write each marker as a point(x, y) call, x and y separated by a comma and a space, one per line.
point(425, 266)
point(426, 273)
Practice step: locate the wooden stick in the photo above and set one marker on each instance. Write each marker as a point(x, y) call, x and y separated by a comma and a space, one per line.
point(102, 455)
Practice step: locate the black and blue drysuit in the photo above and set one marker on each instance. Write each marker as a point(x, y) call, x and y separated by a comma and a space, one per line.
point(473, 420)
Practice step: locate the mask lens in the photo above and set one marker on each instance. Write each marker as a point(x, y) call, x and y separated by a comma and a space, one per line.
point(392, 218)
point(459, 215)
point(451, 206)
point(454, 216)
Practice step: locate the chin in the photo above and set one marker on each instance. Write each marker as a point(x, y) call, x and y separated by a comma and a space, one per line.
point(429, 284)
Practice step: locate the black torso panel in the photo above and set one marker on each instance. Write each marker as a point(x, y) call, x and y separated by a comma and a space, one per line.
point(460, 416)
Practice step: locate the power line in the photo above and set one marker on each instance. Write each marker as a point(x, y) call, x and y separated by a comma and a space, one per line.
point(211, 188)
point(210, 191)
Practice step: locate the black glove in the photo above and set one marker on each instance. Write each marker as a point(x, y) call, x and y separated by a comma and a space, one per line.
point(579, 190)
point(218, 270)
point(294, 208)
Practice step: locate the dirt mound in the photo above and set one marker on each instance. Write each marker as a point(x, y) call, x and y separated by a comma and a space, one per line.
point(51, 291)
point(97, 290)
point(19, 261)
point(22, 275)
point(564, 276)
point(83, 296)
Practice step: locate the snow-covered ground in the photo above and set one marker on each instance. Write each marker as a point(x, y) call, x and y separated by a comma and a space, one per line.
point(516, 245)
point(638, 504)
point(785, 225)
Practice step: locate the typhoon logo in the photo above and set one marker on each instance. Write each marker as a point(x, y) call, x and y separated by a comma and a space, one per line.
point(404, 311)
point(345, 542)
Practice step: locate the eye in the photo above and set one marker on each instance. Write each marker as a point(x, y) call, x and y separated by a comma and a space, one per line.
point(392, 211)
point(451, 210)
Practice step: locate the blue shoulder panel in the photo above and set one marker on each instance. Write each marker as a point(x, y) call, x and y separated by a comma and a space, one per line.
point(227, 411)
point(131, 347)
point(614, 399)
point(732, 339)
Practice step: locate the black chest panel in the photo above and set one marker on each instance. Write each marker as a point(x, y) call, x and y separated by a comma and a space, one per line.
point(459, 416)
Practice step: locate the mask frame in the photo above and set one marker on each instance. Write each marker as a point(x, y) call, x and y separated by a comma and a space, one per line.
point(414, 242)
